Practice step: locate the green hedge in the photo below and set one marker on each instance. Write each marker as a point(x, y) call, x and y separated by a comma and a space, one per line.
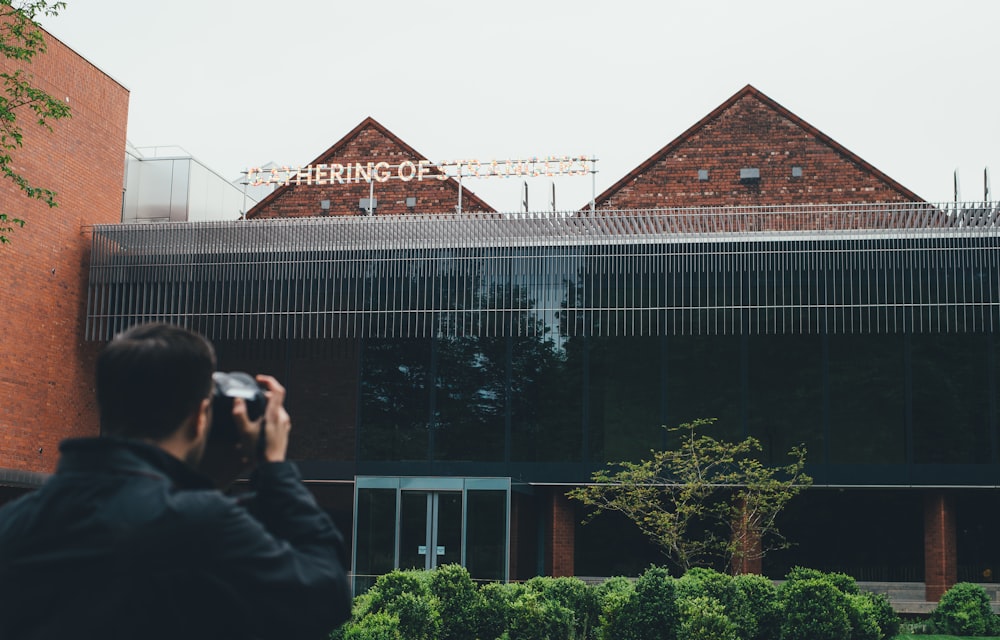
point(446, 604)
point(964, 610)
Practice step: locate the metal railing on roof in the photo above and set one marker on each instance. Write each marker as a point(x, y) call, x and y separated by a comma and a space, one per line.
point(873, 267)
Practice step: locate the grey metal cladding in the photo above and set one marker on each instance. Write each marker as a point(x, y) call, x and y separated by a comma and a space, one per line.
point(873, 268)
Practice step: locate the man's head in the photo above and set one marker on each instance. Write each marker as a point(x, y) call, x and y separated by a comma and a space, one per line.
point(151, 379)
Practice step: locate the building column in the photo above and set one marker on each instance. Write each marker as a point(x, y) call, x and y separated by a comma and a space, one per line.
point(940, 545)
point(560, 527)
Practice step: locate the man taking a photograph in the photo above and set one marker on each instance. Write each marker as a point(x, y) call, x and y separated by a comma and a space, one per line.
point(132, 538)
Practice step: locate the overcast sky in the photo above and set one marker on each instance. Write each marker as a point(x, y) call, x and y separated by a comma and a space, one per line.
point(911, 86)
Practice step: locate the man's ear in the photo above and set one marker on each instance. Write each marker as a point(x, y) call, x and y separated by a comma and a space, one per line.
point(203, 421)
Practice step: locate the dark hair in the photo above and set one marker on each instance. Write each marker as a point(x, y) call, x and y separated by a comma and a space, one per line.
point(150, 378)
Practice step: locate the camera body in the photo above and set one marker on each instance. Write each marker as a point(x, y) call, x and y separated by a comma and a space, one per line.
point(227, 387)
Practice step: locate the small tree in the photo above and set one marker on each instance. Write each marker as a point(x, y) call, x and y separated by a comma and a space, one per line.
point(21, 39)
point(702, 500)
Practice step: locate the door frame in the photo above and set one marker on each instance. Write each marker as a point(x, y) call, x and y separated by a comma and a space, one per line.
point(433, 484)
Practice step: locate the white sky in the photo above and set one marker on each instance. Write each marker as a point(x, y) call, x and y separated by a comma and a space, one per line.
point(911, 86)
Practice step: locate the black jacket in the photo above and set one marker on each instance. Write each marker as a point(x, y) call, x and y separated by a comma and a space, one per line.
point(125, 541)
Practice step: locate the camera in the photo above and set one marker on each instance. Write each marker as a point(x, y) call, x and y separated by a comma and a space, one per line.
point(228, 386)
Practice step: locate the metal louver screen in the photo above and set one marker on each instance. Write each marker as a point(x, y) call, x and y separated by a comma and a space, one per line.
point(807, 269)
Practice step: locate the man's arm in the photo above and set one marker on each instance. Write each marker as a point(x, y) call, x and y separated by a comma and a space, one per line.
point(288, 569)
point(288, 564)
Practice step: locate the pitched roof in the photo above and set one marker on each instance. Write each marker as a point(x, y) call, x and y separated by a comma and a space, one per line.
point(369, 123)
point(751, 91)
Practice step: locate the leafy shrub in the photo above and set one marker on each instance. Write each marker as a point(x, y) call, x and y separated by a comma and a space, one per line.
point(869, 616)
point(375, 626)
point(861, 615)
point(613, 597)
point(418, 616)
point(494, 617)
point(964, 610)
point(406, 596)
point(704, 618)
point(722, 588)
point(535, 617)
point(845, 583)
point(813, 609)
point(459, 602)
point(395, 583)
point(651, 611)
point(877, 609)
point(762, 599)
point(575, 595)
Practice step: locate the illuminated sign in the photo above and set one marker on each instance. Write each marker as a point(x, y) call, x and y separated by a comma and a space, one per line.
point(371, 172)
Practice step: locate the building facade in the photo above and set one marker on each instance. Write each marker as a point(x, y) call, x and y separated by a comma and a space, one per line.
point(46, 365)
point(453, 371)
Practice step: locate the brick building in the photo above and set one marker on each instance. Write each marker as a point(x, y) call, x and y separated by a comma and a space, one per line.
point(452, 371)
point(751, 151)
point(46, 365)
point(369, 165)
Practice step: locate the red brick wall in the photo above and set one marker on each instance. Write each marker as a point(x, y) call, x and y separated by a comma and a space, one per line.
point(751, 133)
point(368, 143)
point(940, 545)
point(560, 540)
point(46, 368)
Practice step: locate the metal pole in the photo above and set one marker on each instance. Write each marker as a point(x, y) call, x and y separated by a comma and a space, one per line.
point(593, 185)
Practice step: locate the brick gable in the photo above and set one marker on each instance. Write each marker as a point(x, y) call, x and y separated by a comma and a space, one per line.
point(797, 164)
point(368, 142)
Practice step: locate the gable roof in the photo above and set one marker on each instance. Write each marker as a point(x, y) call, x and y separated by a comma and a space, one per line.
point(751, 91)
point(369, 122)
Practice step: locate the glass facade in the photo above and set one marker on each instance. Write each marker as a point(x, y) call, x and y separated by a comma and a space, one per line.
point(870, 410)
point(536, 348)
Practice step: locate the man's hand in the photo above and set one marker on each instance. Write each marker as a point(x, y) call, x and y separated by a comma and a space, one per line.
point(225, 463)
point(277, 423)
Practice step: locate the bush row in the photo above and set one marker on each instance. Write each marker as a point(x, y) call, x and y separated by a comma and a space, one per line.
point(964, 610)
point(445, 604)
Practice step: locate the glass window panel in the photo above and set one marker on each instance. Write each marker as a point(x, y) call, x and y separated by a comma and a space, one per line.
point(448, 539)
point(395, 399)
point(624, 400)
point(950, 399)
point(546, 407)
point(321, 378)
point(976, 529)
point(785, 395)
point(704, 381)
point(414, 530)
point(376, 536)
point(470, 399)
point(867, 399)
point(872, 535)
point(486, 538)
point(612, 545)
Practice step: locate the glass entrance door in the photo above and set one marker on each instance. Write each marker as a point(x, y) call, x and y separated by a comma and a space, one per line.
point(425, 522)
point(430, 532)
